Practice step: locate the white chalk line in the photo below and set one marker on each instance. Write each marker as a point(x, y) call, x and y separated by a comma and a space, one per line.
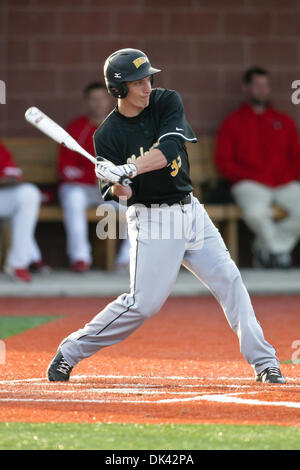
point(121, 377)
point(49, 400)
point(248, 401)
point(124, 390)
point(78, 400)
point(199, 395)
point(108, 390)
point(144, 377)
point(172, 377)
point(82, 387)
point(3, 382)
point(193, 396)
point(225, 398)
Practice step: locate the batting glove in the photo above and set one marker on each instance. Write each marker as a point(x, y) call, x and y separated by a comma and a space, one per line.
point(101, 169)
point(115, 174)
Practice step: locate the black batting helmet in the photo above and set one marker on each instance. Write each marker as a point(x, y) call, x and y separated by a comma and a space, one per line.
point(126, 65)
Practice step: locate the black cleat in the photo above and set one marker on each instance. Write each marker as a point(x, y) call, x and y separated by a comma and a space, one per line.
point(282, 261)
point(262, 259)
point(271, 375)
point(59, 370)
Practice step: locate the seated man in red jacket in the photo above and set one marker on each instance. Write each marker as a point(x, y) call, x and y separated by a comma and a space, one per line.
point(79, 188)
point(20, 204)
point(258, 151)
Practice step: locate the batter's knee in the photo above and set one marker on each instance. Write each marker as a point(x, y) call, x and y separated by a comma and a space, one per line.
point(256, 213)
point(225, 276)
point(29, 194)
point(141, 304)
point(146, 309)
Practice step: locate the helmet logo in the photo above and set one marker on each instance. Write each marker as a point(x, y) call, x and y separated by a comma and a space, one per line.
point(139, 61)
point(117, 75)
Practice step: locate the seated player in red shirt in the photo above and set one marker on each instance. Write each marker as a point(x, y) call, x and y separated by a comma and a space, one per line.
point(258, 151)
point(20, 204)
point(79, 187)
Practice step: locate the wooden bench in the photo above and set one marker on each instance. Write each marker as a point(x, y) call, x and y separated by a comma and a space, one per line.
point(203, 170)
point(37, 157)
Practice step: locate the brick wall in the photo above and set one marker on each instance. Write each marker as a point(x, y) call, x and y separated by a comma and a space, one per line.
point(49, 49)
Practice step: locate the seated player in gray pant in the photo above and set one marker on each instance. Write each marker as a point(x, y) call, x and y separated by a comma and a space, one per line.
point(144, 139)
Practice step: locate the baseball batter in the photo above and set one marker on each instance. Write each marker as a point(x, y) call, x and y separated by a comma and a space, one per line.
point(144, 139)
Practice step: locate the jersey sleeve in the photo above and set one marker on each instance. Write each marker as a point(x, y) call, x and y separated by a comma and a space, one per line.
point(173, 126)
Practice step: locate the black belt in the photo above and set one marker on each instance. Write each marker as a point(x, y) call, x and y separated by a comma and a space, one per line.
point(186, 200)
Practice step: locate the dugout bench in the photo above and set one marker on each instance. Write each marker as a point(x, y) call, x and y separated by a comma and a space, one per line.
point(37, 157)
point(204, 171)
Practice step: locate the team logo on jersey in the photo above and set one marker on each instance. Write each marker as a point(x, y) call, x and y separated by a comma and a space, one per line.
point(133, 157)
point(139, 61)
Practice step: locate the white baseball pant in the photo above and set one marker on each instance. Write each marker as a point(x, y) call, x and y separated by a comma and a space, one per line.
point(20, 204)
point(157, 252)
point(256, 199)
point(75, 198)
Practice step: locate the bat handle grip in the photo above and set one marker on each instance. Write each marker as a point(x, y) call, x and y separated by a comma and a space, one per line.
point(124, 181)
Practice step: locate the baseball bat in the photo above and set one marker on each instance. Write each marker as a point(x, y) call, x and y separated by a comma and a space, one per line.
point(49, 127)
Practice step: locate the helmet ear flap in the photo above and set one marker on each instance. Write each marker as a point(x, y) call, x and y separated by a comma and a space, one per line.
point(123, 90)
point(118, 90)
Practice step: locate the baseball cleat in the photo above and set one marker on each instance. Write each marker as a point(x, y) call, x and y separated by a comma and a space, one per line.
point(39, 267)
point(80, 267)
point(271, 375)
point(18, 274)
point(282, 261)
point(59, 370)
point(262, 259)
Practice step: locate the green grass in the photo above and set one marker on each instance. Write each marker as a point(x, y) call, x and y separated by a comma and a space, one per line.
point(146, 436)
point(10, 326)
point(296, 361)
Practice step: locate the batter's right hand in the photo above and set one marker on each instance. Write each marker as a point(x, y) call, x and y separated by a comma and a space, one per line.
point(107, 171)
point(101, 169)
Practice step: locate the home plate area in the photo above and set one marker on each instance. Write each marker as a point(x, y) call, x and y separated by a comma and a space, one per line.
point(182, 366)
point(155, 390)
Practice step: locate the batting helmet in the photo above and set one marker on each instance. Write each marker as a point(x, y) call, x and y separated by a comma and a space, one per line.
point(126, 65)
